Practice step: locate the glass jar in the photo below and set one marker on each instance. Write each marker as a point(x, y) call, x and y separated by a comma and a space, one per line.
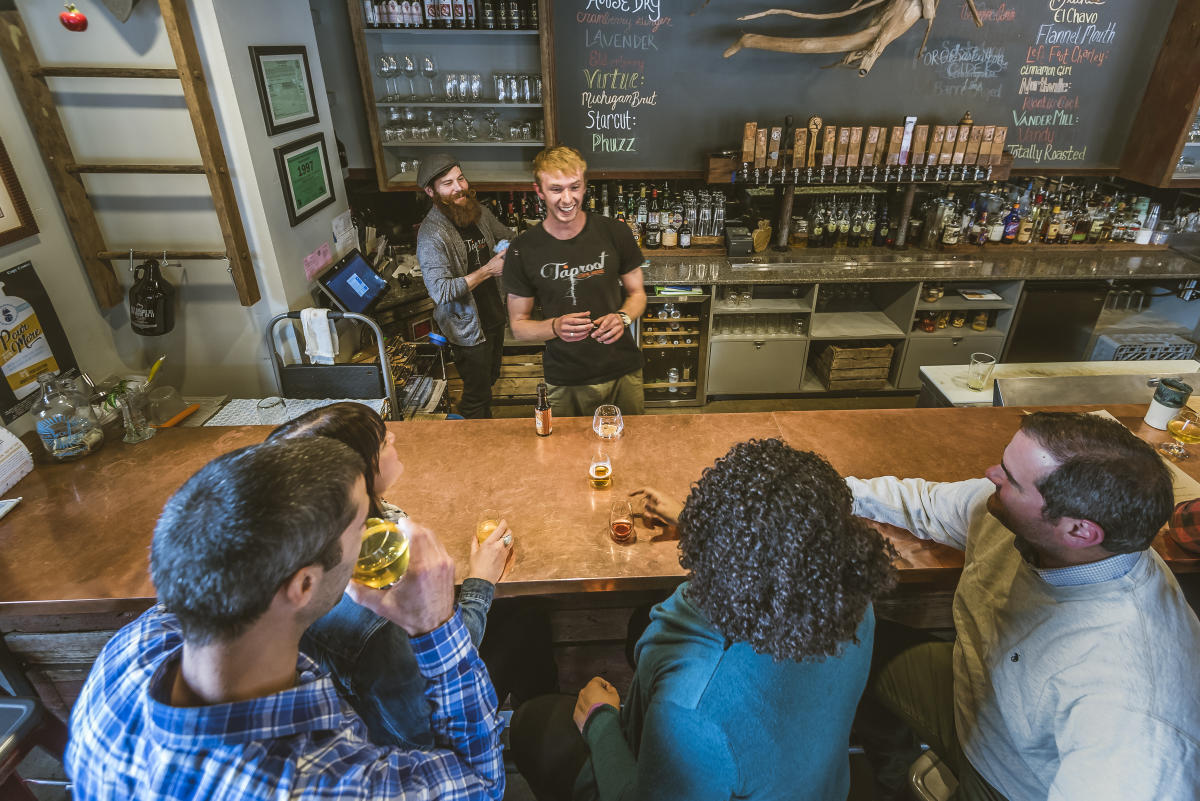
point(65, 423)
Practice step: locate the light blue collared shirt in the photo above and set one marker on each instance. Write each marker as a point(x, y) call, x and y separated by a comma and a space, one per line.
point(1092, 573)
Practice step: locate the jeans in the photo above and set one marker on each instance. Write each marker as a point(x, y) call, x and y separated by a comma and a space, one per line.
point(371, 660)
point(372, 663)
point(479, 367)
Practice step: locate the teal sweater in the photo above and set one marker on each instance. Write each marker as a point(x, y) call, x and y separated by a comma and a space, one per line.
point(706, 721)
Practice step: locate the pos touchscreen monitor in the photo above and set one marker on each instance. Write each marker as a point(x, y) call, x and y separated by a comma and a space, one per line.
point(353, 284)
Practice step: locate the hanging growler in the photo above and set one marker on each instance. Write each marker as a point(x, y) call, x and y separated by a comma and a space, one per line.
point(151, 301)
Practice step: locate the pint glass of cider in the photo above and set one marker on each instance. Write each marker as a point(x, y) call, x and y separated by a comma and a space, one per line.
point(383, 556)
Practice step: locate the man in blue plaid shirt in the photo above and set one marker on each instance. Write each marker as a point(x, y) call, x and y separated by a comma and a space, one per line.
point(207, 696)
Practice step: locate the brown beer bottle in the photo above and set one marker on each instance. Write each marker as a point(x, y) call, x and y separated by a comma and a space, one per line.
point(543, 420)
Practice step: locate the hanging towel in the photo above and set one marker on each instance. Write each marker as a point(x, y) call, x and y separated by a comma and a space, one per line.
point(320, 337)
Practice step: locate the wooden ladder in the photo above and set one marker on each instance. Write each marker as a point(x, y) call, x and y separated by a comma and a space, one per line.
point(37, 101)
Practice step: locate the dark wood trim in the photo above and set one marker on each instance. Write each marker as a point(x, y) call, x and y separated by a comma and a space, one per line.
point(37, 102)
point(260, 82)
point(357, 28)
point(208, 137)
point(26, 225)
point(166, 253)
point(1168, 107)
point(137, 169)
point(549, 89)
point(103, 72)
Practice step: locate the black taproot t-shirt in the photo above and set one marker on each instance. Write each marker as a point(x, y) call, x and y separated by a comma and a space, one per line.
point(572, 275)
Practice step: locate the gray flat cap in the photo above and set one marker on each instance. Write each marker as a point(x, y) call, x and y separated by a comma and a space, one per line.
point(433, 167)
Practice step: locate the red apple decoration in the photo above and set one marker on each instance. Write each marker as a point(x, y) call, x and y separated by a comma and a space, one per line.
point(73, 19)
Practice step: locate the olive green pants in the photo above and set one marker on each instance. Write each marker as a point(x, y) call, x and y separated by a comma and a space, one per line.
point(581, 400)
point(917, 686)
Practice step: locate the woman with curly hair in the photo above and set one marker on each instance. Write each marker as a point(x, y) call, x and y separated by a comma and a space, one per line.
point(749, 674)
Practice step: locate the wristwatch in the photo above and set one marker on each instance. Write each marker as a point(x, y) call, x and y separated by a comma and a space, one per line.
point(625, 318)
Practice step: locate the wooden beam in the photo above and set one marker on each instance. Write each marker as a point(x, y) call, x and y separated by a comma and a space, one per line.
point(17, 53)
point(137, 169)
point(354, 9)
point(549, 93)
point(103, 72)
point(1168, 106)
point(110, 255)
point(195, 90)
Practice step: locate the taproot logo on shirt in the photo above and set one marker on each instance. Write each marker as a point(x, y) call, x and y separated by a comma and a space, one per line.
point(556, 271)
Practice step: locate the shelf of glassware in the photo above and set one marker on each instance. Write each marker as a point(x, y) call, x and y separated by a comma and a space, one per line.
point(435, 32)
point(445, 143)
point(448, 105)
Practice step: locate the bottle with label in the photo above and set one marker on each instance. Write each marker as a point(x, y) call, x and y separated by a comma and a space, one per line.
point(1012, 224)
point(653, 236)
point(685, 235)
point(24, 351)
point(670, 237)
point(488, 14)
point(65, 423)
point(531, 15)
point(516, 19)
point(370, 14)
point(1050, 234)
point(151, 302)
point(458, 14)
point(543, 418)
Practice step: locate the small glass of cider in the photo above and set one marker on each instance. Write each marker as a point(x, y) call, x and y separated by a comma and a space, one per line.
point(487, 522)
point(383, 556)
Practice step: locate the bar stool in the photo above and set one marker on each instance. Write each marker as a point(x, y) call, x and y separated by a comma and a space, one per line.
point(24, 725)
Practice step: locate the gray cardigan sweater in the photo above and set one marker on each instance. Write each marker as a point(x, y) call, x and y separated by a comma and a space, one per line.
point(442, 255)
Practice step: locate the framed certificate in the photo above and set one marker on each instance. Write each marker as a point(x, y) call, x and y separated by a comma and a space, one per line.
point(16, 220)
point(285, 89)
point(304, 173)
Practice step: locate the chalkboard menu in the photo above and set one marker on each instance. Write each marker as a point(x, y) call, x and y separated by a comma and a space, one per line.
point(643, 86)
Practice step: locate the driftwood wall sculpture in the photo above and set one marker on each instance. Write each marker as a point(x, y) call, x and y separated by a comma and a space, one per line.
point(890, 21)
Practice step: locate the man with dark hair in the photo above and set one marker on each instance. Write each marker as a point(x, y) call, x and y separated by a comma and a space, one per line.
point(748, 675)
point(1073, 674)
point(207, 696)
point(456, 250)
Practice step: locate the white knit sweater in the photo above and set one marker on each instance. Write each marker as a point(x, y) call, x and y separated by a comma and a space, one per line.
point(1083, 693)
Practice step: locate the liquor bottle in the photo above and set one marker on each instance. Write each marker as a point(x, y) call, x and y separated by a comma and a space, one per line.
point(1050, 233)
point(856, 225)
point(472, 17)
point(1029, 225)
point(488, 14)
point(653, 236)
point(677, 213)
point(1098, 222)
point(370, 14)
point(978, 234)
point(605, 209)
point(882, 227)
point(591, 199)
point(502, 15)
point(670, 237)
point(685, 234)
point(531, 15)
point(870, 224)
point(1083, 224)
point(151, 302)
point(515, 17)
point(664, 208)
point(1066, 224)
point(543, 418)
point(816, 227)
point(951, 224)
point(65, 423)
point(641, 215)
point(843, 225)
point(433, 17)
point(510, 218)
point(653, 209)
point(620, 201)
point(1012, 224)
point(458, 14)
point(996, 227)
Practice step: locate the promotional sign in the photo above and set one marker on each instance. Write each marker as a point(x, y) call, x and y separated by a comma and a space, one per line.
point(32, 340)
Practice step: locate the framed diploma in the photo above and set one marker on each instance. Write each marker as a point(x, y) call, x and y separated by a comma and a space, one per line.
point(285, 89)
point(304, 174)
point(16, 220)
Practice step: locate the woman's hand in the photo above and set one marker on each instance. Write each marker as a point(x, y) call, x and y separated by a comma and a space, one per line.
point(597, 691)
point(658, 509)
point(490, 557)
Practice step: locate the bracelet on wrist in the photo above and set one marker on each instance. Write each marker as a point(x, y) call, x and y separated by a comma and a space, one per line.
point(554, 330)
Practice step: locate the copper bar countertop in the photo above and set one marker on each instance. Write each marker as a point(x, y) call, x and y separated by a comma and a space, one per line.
point(78, 542)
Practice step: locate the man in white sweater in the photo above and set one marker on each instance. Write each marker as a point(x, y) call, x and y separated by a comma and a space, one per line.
point(1076, 668)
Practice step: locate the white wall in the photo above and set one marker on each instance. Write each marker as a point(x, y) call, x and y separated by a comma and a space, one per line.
point(340, 68)
point(216, 346)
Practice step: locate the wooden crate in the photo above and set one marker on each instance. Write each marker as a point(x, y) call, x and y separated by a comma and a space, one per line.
point(520, 373)
point(854, 367)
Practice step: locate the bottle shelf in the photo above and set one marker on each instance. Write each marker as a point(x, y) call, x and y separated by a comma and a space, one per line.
point(951, 333)
point(668, 384)
point(656, 346)
point(853, 325)
point(959, 303)
point(444, 144)
point(766, 306)
point(448, 105)
point(668, 320)
point(451, 32)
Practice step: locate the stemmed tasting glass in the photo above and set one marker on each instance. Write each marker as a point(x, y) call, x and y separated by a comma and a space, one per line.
point(492, 116)
point(387, 69)
point(408, 66)
point(468, 118)
point(451, 129)
point(607, 422)
point(1185, 429)
point(429, 70)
